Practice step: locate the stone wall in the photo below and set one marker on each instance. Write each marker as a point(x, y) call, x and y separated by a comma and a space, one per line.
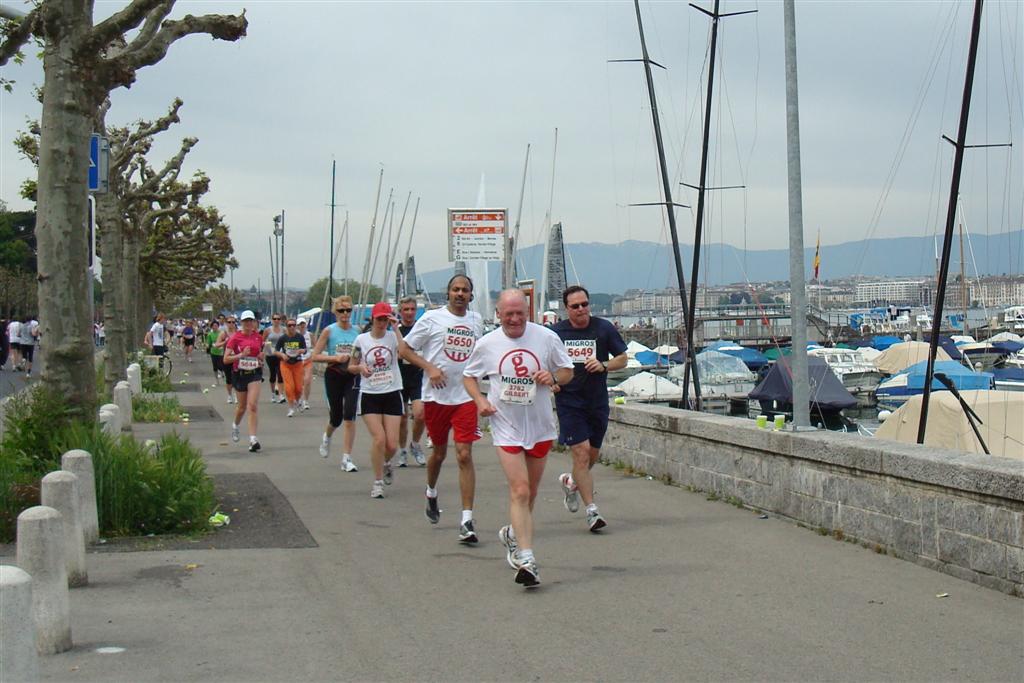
point(958, 513)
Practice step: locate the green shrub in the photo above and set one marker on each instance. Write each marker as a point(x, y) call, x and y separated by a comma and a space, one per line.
point(154, 381)
point(142, 490)
point(156, 409)
point(34, 420)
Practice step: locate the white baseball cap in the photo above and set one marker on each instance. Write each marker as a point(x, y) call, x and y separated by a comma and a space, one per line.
point(301, 321)
point(248, 315)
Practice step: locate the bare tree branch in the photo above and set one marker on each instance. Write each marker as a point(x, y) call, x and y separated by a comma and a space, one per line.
point(17, 33)
point(119, 23)
point(153, 21)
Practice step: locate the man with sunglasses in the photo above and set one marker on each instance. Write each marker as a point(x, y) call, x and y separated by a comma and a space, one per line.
point(334, 347)
point(595, 347)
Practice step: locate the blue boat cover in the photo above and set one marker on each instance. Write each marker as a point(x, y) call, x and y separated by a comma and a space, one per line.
point(964, 378)
point(826, 389)
point(754, 359)
point(882, 342)
point(1009, 373)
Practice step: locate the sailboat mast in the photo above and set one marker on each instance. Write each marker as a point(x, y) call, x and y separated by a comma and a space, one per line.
point(947, 239)
point(963, 278)
point(369, 248)
point(691, 357)
point(392, 252)
point(408, 248)
point(547, 237)
point(330, 273)
point(513, 243)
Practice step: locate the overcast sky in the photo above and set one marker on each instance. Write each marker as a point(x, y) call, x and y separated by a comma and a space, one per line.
point(439, 94)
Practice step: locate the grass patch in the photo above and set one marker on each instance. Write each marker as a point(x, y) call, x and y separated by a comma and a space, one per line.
point(155, 382)
point(156, 409)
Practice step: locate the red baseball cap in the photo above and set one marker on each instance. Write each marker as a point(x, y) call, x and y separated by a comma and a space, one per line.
point(381, 310)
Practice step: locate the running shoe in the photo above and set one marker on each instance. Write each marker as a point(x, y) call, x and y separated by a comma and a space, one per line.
point(254, 446)
point(347, 465)
point(467, 534)
point(291, 412)
point(417, 454)
point(433, 512)
point(229, 400)
point(528, 575)
point(234, 433)
point(377, 490)
point(325, 447)
point(595, 521)
point(505, 536)
point(389, 474)
point(572, 494)
point(402, 460)
point(305, 404)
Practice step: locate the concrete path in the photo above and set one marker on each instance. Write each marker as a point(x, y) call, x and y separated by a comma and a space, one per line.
point(677, 588)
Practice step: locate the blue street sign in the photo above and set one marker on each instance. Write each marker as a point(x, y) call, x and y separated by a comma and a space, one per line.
point(99, 161)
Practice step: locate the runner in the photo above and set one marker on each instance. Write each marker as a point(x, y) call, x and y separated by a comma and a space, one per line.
point(446, 337)
point(216, 352)
point(582, 404)
point(375, 358)
point(29, 339)
point(341, 387)
point(307, 362)
point(270, 337)
point(523, 361)
point(188, 338)
point(14, 339)
point(156, 337)
point(229, 371)
point(412, 388)
point(290, 348)
point(244, 351)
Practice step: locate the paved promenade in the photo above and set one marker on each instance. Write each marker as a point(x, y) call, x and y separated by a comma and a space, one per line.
point(677, 588)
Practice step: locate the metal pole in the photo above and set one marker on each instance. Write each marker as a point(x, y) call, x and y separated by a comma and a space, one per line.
point(511, 245)
point(280, 265)
point(670, 208)
point(369, 248)
point(408, 248)
point(273, 271)
point(947, 239)
point(547, 237)
point(797, 285)
point(330, 276)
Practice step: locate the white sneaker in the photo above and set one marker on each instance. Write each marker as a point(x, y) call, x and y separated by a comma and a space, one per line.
point(347, 465)
point(234, 433)
point(291, 412)
point(389, 473)
point(229, 401)
point(571, 495)
point(325, 447)
point(304, 404)
point(402, 460)
point(417, 454)
point(377, 490)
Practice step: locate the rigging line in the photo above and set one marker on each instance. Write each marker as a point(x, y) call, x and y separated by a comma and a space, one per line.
point(905, 140)
point(671, 113)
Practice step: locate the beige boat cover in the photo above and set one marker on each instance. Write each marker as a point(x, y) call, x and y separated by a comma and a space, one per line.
point(899, 357)
point(1001, 412)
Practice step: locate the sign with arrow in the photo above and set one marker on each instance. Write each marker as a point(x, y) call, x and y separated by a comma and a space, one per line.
point(476, 234)
point(99, 164)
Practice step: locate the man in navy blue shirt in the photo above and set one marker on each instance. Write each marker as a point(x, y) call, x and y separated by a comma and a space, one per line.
point(595, 347)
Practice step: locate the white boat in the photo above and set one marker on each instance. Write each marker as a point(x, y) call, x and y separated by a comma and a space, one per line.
point(858, 375)
point(1013, 319)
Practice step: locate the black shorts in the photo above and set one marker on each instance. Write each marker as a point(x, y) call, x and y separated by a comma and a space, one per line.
point(218, 362)
point(381, 404)
point(27, 350)
point(577, 424)
point(159, 350)
point(190, 342)
point(15, 346)
point(342, 395)
point(412, 390)
point(242, 378)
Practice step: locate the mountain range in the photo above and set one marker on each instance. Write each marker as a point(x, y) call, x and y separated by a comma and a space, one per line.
point(615, 268)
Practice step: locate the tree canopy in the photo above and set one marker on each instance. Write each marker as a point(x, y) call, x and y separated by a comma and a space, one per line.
point(315, 295)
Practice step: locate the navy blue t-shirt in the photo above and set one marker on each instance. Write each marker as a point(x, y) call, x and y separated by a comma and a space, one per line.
point(600, 339)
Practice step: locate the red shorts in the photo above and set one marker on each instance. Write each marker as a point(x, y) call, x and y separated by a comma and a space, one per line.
point(539, 450)
point(440, 419)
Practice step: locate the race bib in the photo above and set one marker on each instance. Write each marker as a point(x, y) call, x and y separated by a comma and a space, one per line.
point(292, 352)
point(518, 390)
point(458, 343)
point(342, 348)
point(580, 350)
point(379, 360)
point(379, 379)
point(248, 363)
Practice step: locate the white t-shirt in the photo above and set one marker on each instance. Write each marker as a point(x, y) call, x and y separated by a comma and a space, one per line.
point(158, 333)
point(381, 356)
point(27, 336)
point(309, 346)
point(446, 340)
point(14, 332)
point(525, 415)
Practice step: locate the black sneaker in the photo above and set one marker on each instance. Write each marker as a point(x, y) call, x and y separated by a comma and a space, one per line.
point(467, 534)
point(433, 512)
point(254, 446)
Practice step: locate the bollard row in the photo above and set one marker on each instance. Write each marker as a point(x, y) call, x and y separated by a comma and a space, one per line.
point(40, 553)
point(60, 492)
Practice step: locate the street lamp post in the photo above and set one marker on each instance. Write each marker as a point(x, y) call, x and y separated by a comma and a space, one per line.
point(279, 233)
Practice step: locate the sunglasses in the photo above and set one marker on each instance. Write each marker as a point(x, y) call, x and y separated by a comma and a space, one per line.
point(342, 310)
point(231, 320)
point(582, 304)
point(275, 318)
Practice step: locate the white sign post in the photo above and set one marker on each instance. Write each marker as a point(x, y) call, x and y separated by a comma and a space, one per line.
point(477, 234)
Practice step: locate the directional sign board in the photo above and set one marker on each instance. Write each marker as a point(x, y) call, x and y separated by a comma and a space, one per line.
point(476, 234)
point(99, 163)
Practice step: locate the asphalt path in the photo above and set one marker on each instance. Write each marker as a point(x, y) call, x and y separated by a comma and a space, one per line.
point(677, 588)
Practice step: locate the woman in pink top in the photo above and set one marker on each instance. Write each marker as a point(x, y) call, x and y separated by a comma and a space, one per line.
point(244, 351)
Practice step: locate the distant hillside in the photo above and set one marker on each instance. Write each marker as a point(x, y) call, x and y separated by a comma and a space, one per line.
point(647, 265)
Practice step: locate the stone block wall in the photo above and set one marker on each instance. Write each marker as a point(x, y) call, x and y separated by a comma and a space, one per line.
point(959, 513)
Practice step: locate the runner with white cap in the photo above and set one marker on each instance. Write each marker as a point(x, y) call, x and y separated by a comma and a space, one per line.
point(244, 350)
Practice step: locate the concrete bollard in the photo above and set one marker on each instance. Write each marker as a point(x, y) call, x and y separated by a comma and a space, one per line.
point(20, 661)
point(60, 492)
point(79, 463)
point(41, 554)
point(134, 373)
point(110, 418)
point(123, 399)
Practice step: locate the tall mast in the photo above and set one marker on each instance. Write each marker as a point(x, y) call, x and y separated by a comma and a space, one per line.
point(408, 248)
point(369, 248)
point(691, 357)
point(947, 240)
point(702, 188)
point(330, 274)
point(547, 236)
point(392, 254)
point(513, 243)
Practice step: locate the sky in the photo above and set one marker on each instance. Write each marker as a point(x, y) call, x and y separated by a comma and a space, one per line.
point(445, 96)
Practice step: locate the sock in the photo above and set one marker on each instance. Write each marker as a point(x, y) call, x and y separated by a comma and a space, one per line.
point(234, 426)
point(467, 516)
point(526, 554)
point(327, 439)
point(572, 482)
point(252, 439)
point(592, 508)
point(402, 453)
point(431, 493)
point(378, 481)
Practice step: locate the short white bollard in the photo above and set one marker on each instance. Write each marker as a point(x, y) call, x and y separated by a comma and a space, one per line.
point(60, 492)
point(19, 660)
point(134, 373)
point(110, 418)
point(41, 554)
point(123, 399)
point(79, 463)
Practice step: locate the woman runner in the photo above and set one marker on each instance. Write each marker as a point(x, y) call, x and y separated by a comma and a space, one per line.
point(245, 350)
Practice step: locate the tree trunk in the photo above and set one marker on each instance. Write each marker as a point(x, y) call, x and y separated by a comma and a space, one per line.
point(130, 288)
point(111, 233)
point(65, 311)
